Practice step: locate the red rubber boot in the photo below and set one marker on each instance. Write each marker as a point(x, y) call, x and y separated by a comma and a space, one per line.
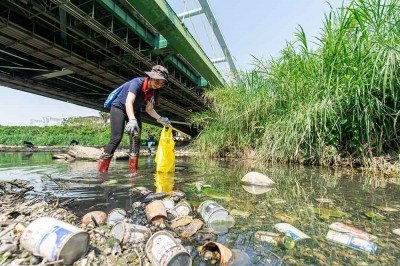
point(133, 164)
point(104, 162)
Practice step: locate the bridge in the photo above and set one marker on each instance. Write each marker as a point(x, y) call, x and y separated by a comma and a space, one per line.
point(78, 51)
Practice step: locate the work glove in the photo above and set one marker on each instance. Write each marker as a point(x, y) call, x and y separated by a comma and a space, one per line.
point(132, 127)
point(164, 121)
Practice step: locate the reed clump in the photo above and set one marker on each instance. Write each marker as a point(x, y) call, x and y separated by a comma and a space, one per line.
point(338, 99)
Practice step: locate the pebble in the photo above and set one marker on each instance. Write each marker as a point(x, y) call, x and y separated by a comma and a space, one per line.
point(35, 260)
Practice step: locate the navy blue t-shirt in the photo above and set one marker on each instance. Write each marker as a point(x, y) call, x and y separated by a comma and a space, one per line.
point(134, 86)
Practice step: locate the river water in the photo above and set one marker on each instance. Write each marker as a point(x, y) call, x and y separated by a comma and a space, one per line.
point(297, 188)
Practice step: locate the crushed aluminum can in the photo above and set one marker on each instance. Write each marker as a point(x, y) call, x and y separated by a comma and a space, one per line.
point(343, 228)
point(192, 228)
point(351, 241)
point(290, 230)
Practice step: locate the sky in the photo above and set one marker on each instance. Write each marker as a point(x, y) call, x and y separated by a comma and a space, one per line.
point(258, 28)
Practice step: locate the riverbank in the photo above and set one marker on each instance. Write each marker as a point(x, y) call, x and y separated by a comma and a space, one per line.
point(385, 166)
point(180, 150)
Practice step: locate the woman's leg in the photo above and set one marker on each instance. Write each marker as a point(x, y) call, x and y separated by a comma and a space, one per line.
point(134, 149)
point(117, 120)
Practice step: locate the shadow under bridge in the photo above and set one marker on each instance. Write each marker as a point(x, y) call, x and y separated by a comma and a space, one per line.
point(79, 51)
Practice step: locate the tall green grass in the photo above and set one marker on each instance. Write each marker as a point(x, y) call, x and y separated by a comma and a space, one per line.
point(314, 106)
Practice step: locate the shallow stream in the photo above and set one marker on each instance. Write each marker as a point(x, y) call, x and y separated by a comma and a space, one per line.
point(297, 188)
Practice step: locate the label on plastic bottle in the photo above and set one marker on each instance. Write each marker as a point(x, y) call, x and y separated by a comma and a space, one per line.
point(351, 241)
point(292, 231)
point(343, 228)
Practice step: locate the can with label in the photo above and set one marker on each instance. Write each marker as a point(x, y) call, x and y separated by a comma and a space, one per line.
point(211, 211)
point(181, 209)
point(216, 217)
point(130, 233)
point(292, 231)
point(343, 228)
point(351, 241)
point(55, 240)
point(163, 249)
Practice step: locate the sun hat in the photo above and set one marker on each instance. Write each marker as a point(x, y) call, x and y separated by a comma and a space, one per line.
point(158, 72)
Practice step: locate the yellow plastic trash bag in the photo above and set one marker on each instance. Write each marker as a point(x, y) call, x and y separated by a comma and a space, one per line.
point(164, 182)
point(165, 156)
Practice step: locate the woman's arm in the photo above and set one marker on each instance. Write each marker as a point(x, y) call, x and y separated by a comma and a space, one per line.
point(150, 110)
point(130, 99)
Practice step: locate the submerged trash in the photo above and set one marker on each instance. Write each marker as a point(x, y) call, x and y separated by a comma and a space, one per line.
point(163, 249)
point(278, 201)
point(324, 200)
point(95, 217)
point(55, 240)
point(216, 251)
point(239, 258)
point(216, 216)
point(343, 228)
point(387, 208)
point(290, 230)
point(285, 218)
point(241, 214)
point(396, 231)
point(116, 215)
point(326, 213)
point(216, 193)
point(351, 241)
point(278, 240)
point(374, 215)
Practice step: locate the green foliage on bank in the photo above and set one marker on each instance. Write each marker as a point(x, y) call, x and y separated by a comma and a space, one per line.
point(341, 99)
point(88, 132)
